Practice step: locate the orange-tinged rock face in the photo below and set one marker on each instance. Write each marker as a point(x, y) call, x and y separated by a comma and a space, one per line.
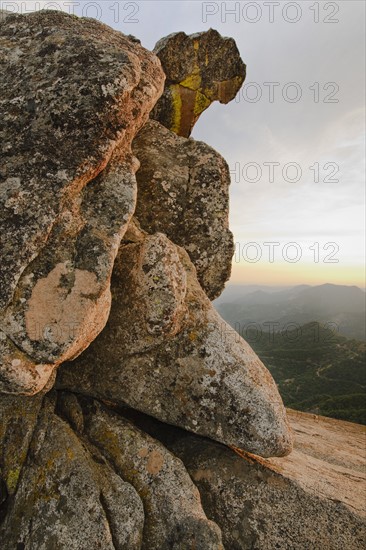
point(314, 498)
point(75, 94)
point(60, 307)
point(18, 373)
point(82, 466)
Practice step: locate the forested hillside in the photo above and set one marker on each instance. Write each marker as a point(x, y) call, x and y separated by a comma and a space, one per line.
point(316, 370)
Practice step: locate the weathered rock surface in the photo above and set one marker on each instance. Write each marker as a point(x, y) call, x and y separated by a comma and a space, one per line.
point(81, 467)
point(200, 68)
point(174, 516)
point(93, 480)
point(314, 498)
point(69, 497)
point(73, 94)
point(183, 191)
point(166, 352)
point(18, 418)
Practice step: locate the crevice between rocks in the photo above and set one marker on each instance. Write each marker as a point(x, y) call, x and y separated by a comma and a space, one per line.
point(98, 456)
point(108, 516)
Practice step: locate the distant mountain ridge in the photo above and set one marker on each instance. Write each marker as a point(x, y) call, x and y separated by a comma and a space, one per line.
point(339, 307)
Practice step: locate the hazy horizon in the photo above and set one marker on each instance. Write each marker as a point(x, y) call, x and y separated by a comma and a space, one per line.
point(230, 283)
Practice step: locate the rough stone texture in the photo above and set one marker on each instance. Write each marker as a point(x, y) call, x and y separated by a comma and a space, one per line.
point(174, 518)
point(73, 94)
point(18, 418)
point(77, 473)
point(69, 497)
point(96, 479)
point(166, 352)
point(200, 68)
point(314, 498)
point(91, 479)
point(183, 191)
point(18, 373)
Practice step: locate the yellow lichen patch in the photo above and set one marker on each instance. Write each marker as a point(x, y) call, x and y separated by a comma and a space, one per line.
point(176, 107)
point(109, 439)
point(12, 480)
point(192, 336)
point(70, 453)
point(193, 81)
point(201, 104)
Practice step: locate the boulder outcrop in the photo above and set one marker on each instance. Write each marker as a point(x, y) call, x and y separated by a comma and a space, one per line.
point(314, 498)
point(183, 191)
point(174, 516)
point(200, 68)
point(79, 474)
point(68, 496)
point(73, 95)
point(166, 352)
point(99, 482)
point(129, 411)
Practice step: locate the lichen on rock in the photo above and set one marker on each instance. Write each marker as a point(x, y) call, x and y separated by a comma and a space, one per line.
point(69, 497)
point(188, 368)
point(112, 275)
point(73, 94)
point(183, 191)
point(200, 68)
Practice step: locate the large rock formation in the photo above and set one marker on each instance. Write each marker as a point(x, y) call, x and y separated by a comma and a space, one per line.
point(166, 352)
point(82, 475)
point(73, 95)
point(93, 480)
point(68, 495)
point(200, 68)
point(174, 517)
point(183, 191)
point(314, 498)
point(80, 465)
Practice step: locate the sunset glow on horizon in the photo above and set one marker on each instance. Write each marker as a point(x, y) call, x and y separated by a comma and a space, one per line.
point(284, 274)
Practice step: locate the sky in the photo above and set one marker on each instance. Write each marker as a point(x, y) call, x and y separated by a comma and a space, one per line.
point(294, 137)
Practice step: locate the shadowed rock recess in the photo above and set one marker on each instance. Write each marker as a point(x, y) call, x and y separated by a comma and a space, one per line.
point(128, 408)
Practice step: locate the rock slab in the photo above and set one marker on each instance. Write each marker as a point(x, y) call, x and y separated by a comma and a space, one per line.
point(314, 498)
point(91, 479)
